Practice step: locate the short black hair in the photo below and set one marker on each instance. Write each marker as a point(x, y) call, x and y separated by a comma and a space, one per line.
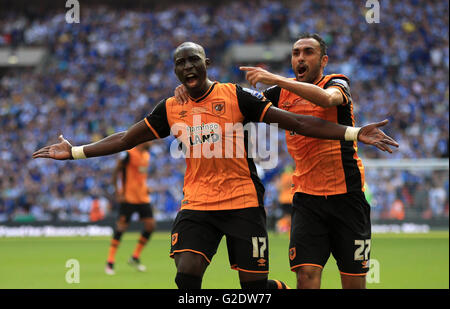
point(191, 45)
point(318, 38)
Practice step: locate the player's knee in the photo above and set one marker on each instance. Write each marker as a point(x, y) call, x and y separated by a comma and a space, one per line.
point(149, 225)
point(309, 272)
point(122, 227)
point(190, 263)
point(309, 277)
point(122, 224)
point(353, 282)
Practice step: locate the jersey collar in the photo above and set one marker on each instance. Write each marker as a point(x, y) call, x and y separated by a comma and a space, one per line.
point(197, 100)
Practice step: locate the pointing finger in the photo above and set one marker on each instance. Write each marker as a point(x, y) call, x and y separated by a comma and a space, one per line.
point(247, 68)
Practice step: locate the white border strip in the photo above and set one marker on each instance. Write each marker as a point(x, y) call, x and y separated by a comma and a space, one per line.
point(54, 231)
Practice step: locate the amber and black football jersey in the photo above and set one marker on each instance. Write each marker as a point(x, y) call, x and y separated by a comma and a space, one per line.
point(219, 174)
point(134, 176)
point(323, 167)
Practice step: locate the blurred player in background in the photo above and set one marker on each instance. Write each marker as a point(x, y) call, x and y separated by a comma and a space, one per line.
point(222, 196)
point(284, 186)
point(330, 211)
point(132, 193)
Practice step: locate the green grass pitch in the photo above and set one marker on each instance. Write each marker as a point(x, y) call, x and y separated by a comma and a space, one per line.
point(406, 261)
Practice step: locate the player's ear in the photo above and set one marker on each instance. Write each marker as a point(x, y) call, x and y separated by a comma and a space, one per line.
point(324, 61)
point(208, 62)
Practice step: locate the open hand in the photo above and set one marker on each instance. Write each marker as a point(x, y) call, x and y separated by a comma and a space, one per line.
point(60, 151)
point(372, 135)
point(181, 94)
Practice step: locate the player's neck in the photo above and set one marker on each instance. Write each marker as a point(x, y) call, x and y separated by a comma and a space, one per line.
point(197, 93)
point(319, 77)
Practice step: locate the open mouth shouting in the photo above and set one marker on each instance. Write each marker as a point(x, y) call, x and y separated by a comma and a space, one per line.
point(191, 80)
point(302, 68)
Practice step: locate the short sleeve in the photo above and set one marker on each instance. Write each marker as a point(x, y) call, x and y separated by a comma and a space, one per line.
point(343, 86)
point(157, 120)
point(273, 94)
point(252, 104)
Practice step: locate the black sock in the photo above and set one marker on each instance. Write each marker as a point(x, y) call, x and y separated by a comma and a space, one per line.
point(146, 234)
point(276, 285)
point(187, 281)
point(117, 235)
point(258, 284)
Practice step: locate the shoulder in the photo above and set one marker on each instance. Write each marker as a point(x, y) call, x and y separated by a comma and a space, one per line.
point(226, 87)
point(337, 76)
point(342, 83)
point(169, 101)
point(247, 91)
point(273, 90)
point(160, 106)
point(169, 105)
point(337, 80)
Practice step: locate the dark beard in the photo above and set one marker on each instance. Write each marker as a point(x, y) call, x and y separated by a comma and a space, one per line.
point(314, 74)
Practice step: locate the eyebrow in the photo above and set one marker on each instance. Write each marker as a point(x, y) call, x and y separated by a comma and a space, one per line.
point(303, 48)
point(190, 56)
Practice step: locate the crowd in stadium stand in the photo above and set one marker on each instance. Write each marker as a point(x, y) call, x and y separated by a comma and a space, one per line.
point(110, 70)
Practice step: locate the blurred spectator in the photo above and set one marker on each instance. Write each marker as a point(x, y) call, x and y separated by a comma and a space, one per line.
point(437, 196)
point(420, 198)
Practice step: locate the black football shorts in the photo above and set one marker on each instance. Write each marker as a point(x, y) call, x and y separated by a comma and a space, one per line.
point(337, 224)
point(127, 210)
point(245, 231)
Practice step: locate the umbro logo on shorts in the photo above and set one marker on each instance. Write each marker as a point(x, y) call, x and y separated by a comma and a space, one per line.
point(261, 262)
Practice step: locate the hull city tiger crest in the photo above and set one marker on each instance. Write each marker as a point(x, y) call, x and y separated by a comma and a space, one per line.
point(292, 253)
point(174, 238)
point(218, 108)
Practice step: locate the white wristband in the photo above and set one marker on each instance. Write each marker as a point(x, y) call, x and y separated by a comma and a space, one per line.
point(78, 153)
point(351, 134)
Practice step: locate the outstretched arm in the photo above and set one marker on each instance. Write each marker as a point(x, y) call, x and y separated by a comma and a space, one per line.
point(322, 97)
point(315, 127)
point(117, 142)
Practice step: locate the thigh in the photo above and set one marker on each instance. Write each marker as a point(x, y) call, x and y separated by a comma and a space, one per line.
point(193, 231)
point(247, 240)
point(309, 239)
point(351, 233)
point(145, 211)
point(126, 210)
